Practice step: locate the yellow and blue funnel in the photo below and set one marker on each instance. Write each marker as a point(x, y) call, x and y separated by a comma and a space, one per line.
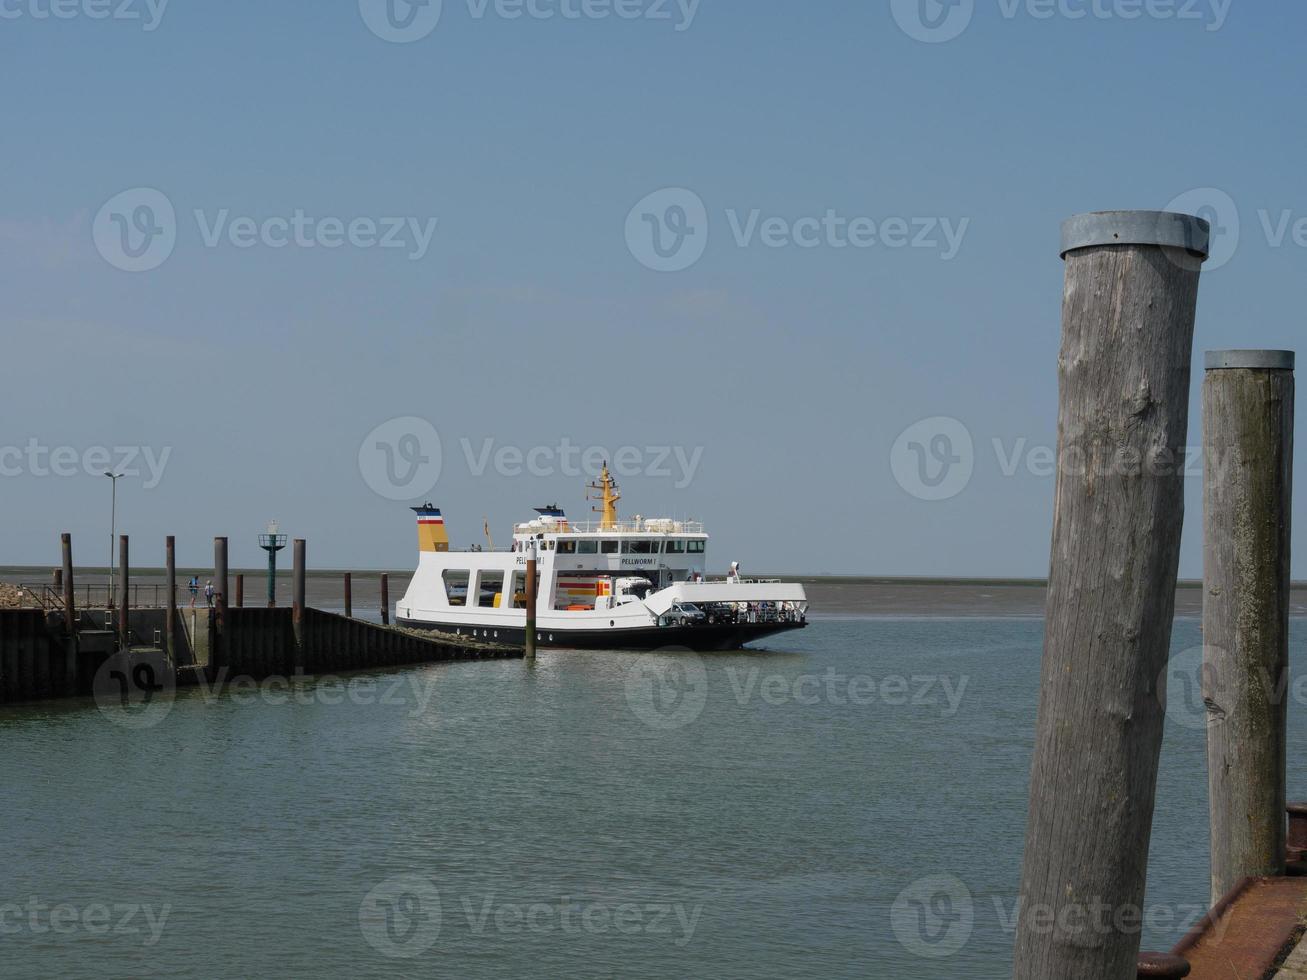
point(431, 529)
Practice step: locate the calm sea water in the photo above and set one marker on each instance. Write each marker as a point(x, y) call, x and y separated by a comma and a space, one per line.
point(849, 803)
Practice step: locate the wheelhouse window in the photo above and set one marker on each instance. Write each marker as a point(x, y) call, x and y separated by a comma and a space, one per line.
point(567, 547)
point(675, 548)
point(608, 547)
point(639, 547)
point(695, 547)
point(587, 547)
point(456, 582)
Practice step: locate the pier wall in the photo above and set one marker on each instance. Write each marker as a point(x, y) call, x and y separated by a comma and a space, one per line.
point(39, 660)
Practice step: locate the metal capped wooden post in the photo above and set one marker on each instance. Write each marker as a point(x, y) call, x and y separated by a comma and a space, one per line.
point(1124, 371)
point(531, 600)
point(1248, 399)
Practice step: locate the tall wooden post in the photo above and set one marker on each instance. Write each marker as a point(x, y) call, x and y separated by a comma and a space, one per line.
point(219, 569)
point(349, 596)
point(531, 600)
point(385, 600)
point(124, 632)
point(297, 600)
point(1248, 398)
point(1124, 367)
point(170, 596)
point(240, 590)
point(70, 613)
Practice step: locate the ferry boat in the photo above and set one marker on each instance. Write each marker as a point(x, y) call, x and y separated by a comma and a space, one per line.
point(638, 584)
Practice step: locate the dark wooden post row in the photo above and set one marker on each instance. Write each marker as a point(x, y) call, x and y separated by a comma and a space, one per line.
point(1248, 400)
point(1124, 372)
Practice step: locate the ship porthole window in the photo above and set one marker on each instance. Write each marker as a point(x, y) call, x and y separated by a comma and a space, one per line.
point(612, 623)
point(496, 634)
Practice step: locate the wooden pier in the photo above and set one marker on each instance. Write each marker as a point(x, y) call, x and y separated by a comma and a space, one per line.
point(56, 650)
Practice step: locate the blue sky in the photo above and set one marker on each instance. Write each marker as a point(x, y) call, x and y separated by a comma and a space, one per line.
point(877, 246)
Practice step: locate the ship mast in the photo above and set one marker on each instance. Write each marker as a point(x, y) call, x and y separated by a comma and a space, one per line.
point(609, 496)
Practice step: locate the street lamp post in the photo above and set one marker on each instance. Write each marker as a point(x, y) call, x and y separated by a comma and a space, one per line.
point(272, 542)
point(113, 522)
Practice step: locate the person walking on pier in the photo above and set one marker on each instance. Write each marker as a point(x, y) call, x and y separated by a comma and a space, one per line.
point(208, 593)
point(194, 588)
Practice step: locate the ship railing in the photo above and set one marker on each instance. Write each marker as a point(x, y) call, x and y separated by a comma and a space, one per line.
point(648, 526)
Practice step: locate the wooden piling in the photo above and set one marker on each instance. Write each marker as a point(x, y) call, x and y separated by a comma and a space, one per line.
point(297, 602)
point(70, 612)
point(240, 591)
point(1124, 371)
point(1248, 401)
point(220, 568)
point(124, 630)
point(385, 600)
point(170, 596)
point(531, 601)
point(349, 596)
